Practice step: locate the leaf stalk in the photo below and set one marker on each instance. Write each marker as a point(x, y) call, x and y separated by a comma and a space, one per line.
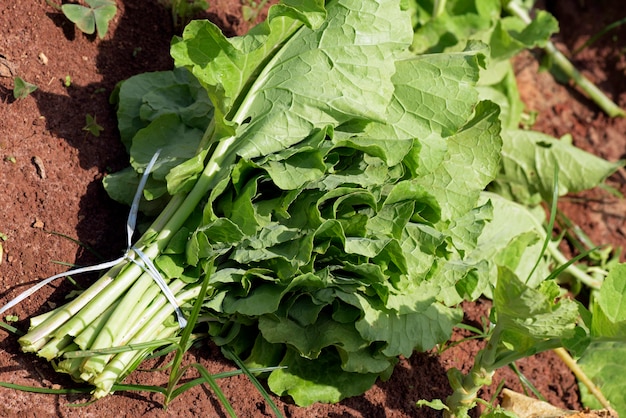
point(563, 64)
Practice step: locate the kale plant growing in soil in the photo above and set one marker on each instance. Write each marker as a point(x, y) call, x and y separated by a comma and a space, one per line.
point(342, 182)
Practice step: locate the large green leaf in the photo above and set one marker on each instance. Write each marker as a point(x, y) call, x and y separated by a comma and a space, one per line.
point(529, 160)
point(602, 326)
point(310, 340)
point(225, 65)
point(512, 35)
point(532, 311)
point(529, 320)
point(470, 163)
point(433, 99)
point(612, 297)
point(603, 363)
point(307, 79)
point(157, 136)
point(144, 97)
point(427, 325)
point(122, 185)
point(437, 89)
point(320, 380)
point(513, 239)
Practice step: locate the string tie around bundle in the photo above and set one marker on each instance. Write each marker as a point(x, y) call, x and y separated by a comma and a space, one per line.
point(143, 262)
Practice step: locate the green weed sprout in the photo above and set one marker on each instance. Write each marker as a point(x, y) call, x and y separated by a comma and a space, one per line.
point(95, 16)
point(22, 88)
point(91, 125)
point(251, 10)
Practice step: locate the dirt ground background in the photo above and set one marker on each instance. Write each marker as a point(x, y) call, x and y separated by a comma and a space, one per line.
point(50, 185)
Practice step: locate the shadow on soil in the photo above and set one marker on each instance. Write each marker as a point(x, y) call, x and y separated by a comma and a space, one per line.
point(140, 43)
point(419, 377)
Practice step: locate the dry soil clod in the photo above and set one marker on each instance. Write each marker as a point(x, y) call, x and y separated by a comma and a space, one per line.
point(7, 68)
point(41, 170)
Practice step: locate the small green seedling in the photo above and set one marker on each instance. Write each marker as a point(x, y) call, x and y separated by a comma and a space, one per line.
point(9, 159)
point(68, 81)
point(251, 10)
point(21, 88)
point(91, 125)
point(97, 91)
point(11, 318)
point(95, 16)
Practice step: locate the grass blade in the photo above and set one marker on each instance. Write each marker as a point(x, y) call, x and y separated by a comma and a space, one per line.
point(223, 375)
point(600, 34)
point(65, 391)
point(550, 228)
point(210, 380)
point(129, 347)
point(184, 338)
point(527, 383)
point(10, 328)
point(254, 381)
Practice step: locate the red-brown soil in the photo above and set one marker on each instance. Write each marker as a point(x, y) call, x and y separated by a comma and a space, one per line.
point(66, 197)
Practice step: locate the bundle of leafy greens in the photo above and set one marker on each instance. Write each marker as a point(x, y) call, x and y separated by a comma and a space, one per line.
point(320, 192)
point(322, 181)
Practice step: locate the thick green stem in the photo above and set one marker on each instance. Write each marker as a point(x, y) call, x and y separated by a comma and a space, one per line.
point(44, 330)
point(120, 365)
point(35, 321)
point(137, 307)
point(102, 301)
point(70, 366)
point(89, 334)
point(55, 346)
point(113, 331)
point(558, 59)
point(148, 314)
point(145, 326)
point(606, 104)
point(154, 329)
point(486, 362)
point(166, 214)
point(466, 388)
point(221, 159)
point(438, 7)
point(580, 374)
point(54, 349)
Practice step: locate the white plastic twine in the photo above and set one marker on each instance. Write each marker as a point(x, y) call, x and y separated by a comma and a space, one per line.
point(144, 262)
